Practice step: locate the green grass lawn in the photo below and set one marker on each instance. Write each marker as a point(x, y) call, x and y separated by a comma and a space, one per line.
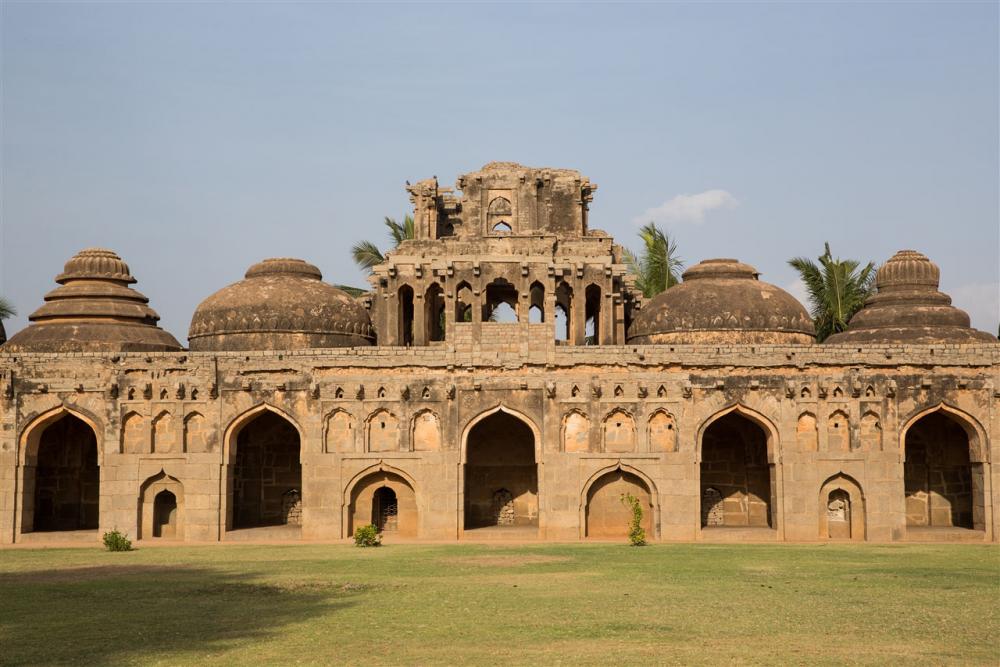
point(475, 604)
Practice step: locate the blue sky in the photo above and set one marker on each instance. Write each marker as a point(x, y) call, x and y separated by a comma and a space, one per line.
point(196, 139)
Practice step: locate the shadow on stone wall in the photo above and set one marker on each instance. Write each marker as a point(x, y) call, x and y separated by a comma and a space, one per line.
point(139, 614)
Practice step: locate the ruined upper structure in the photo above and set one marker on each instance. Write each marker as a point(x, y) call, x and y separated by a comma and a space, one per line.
point(723, 301)
point(909, 308)
point(93, 310)
point(282, 304)
point(516, 239)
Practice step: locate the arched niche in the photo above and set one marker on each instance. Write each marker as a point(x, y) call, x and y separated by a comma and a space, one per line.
point(164, 438)
point(807, 433)
point(161, 508)
point(382, 431)
point(662, 432)
point(425, 433)
point(841, 509)
point(340, 433)
point(606, 516)
point(619, 432)
point(576, 432)
point(370, 495)
point(838, 432)
point(135, 434)
point(198, 435)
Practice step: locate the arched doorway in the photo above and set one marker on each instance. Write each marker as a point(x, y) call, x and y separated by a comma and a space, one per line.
point(165, 514)
point(735, 474)
point(161, 508)
point(501, 477)
point(943, 486)
point(607, 515)
point(385, 500)
point(62, 478)
point(265, 467)
point(841, 509)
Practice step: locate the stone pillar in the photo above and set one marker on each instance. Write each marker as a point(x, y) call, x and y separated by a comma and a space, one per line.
point(391, 333)
point(419, 319)
point(578, 320)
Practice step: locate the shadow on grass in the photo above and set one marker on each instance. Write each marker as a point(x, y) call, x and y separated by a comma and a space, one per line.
point(137, 614)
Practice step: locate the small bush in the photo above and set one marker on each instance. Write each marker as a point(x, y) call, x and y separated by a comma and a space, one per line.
point(115, 540)
point(367, 536)
point(636, 533)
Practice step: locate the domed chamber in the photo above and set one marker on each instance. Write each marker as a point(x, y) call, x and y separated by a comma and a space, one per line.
point(282, 304)
point(908, 307)
point(722, 301)
point(94, 309)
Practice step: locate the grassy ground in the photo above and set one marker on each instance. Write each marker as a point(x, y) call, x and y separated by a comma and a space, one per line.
point(474, 604)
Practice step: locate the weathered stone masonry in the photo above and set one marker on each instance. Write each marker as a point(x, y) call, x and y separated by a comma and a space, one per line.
point(284, 419)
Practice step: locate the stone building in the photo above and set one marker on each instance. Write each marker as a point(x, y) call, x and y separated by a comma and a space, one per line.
point(502, 378)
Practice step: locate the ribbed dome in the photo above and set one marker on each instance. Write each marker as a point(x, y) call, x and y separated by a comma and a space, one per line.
point(282, 304)
point(908, 308)
point(722, 301)
point(94, 310)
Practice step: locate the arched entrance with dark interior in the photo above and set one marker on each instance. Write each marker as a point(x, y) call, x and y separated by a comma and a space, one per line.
point(943, 479)
point(265, 478)
point(385, 500)
point(501, 476)
point(62, 478)
point(607, 515)
point(736, 478)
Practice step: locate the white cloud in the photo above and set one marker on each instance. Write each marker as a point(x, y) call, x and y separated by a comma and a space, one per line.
point(981, 301)
point(688, 208)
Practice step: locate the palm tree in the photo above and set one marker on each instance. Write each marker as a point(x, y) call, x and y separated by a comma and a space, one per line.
point(659, 268)
point(837, 289)
point(6, 309)
point(366, 254)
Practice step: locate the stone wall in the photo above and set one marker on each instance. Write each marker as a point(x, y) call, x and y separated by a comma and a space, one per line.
point(827, 413)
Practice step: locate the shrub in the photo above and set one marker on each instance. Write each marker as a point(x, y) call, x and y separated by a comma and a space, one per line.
point(115, 540)
point(367, 536)
point(636, 533)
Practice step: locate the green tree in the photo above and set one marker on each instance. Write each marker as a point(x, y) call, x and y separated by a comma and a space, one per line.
point(659, 267)
point(837, 289)
point(6, 309)
point(366, 254)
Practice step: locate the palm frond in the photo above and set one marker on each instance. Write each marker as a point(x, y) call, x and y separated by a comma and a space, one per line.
point(6, 309)
point(366, 254)
point(837, 289)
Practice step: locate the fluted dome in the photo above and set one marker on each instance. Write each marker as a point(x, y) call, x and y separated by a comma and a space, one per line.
point(722, 301)
point(93, 310)
point(282, 304)
point(908, 308)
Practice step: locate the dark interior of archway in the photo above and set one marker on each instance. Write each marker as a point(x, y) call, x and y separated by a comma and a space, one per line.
point(938, 476)
point(165, 514)
point(735, 475)
point(385, 510)
point(501, 478)
point(267, 465)
point(67, 478)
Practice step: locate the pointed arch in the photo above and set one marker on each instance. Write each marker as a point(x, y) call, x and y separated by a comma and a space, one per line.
point(500, 407)
point(163, 435)
point(135, 436)
point(807, 432)
point(575, 431)
point(618, 431)
point(198, 437)
point(978, 442)
point(611, 481)
point(838, 432)
point(770, 430)
point(161, 515)
point(241, 420)
point(662, 431)
point(359, 498)
point(382, 431)
point(425, 431)
point(35, 425)
point(841, 511)
point(340, 432)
